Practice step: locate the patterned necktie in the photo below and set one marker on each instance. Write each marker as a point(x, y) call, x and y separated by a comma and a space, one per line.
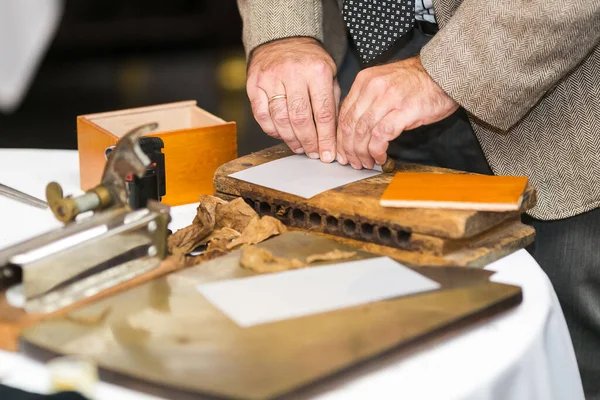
point(375, 25)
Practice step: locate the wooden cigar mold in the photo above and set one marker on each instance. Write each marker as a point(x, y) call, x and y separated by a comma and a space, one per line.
point(352, 213)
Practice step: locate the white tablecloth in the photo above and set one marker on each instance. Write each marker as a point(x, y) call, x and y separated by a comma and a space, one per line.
point(525, 353)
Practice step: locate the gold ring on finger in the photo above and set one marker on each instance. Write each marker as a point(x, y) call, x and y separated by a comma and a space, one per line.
point(277, 96)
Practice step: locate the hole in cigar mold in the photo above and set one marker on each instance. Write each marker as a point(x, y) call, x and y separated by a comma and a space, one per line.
point(298, 216)
point(265, 208)
point(315, 219)
point(402, 236)
point(385, 235)
point(246, 164)
point(250, 202)
point(349, 227)
point(332, 223)
point(366, 230)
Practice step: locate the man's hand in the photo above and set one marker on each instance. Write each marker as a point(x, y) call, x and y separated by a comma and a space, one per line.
point(295, 95)
point(383, 102)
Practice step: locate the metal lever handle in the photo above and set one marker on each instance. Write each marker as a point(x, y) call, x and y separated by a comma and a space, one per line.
point(66, 209)
point(15, 194)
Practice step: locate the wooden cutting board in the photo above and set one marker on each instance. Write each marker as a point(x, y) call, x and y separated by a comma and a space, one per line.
point(353, 212)
point(164, 337)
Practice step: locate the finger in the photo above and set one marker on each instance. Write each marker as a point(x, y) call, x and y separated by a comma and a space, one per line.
point(355, 92)
point(278, 109)
point(362, 131)
point(337, 93)
point(343, 128)
point(360, 119)
point(386, 130)
point(347, 128)
point(260, 109)
point(301, 117)
point(324, 108)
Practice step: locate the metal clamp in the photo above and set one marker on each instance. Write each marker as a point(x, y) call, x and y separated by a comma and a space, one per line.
point(89, 255)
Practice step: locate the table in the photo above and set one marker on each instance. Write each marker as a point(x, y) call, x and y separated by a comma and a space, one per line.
point(525, 353)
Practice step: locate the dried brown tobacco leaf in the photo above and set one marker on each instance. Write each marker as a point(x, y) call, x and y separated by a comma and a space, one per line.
point(188, 238)
point(258, 231)
point(262, 261)
point(208, 255)
point(332, 255)
point(218, 244)
point(222, 234)
point(236, 215)
point(208, 205)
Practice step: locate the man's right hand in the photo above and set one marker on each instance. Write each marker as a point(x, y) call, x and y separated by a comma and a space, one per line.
point(295, 95)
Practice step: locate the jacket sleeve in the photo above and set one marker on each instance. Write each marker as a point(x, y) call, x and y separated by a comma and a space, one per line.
point(497, 58)
point(267, 20)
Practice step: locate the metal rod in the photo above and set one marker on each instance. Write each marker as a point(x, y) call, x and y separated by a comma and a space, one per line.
point(15, 194)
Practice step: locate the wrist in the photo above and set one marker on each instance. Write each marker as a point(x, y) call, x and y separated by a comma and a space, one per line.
point(290, 48)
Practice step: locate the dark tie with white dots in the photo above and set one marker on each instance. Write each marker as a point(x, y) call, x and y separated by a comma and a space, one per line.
point(375, 25)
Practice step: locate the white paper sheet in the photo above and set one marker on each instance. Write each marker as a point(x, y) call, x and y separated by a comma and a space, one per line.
point(274, 297)
point(303, 176)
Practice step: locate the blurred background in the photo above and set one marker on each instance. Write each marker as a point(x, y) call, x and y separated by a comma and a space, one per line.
point(113, 54)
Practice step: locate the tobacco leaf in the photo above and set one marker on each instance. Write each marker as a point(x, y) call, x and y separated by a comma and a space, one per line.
point(220, 238)
point(218, 244)
point(259, 230)
point(188, 238)
point(206, 256)
point(332, 255)
point(236, 214)
point(222, 234)
point(262, 261)
point(180, 260)
point(208, 206)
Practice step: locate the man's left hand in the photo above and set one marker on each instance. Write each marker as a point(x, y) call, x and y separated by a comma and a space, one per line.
point(383, 102)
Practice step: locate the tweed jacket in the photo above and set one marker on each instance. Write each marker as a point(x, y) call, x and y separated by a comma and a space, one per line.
point(526, 72)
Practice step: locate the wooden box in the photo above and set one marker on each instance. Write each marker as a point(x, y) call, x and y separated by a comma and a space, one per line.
point(196, 143)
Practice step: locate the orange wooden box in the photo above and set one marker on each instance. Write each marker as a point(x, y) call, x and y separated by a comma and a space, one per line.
point(196, 143)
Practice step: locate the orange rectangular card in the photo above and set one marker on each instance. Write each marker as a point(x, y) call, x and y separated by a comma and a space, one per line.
point(455, 191)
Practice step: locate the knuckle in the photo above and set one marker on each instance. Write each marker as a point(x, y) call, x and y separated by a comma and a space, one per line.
point(320, 67)
point(345, 127)
point(299, 111)
point(378, 83)
point(299, 119)
point(262, 116)
point(383, 131)
point(280, 115)
point(325, 114)
point(363, 75)
point(309, 143)
point(281, 119)
point(363, 125)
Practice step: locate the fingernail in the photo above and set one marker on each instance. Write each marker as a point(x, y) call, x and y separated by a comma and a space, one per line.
point(355, 166)
point(299, 150)
point(341, 159)
point(313, 155)
point(327, 157)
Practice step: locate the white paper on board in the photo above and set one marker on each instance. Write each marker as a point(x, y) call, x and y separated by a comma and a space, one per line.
point(303, 176)
point(291, 294)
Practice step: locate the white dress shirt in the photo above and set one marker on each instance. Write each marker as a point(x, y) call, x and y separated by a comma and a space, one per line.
point(424, 11)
